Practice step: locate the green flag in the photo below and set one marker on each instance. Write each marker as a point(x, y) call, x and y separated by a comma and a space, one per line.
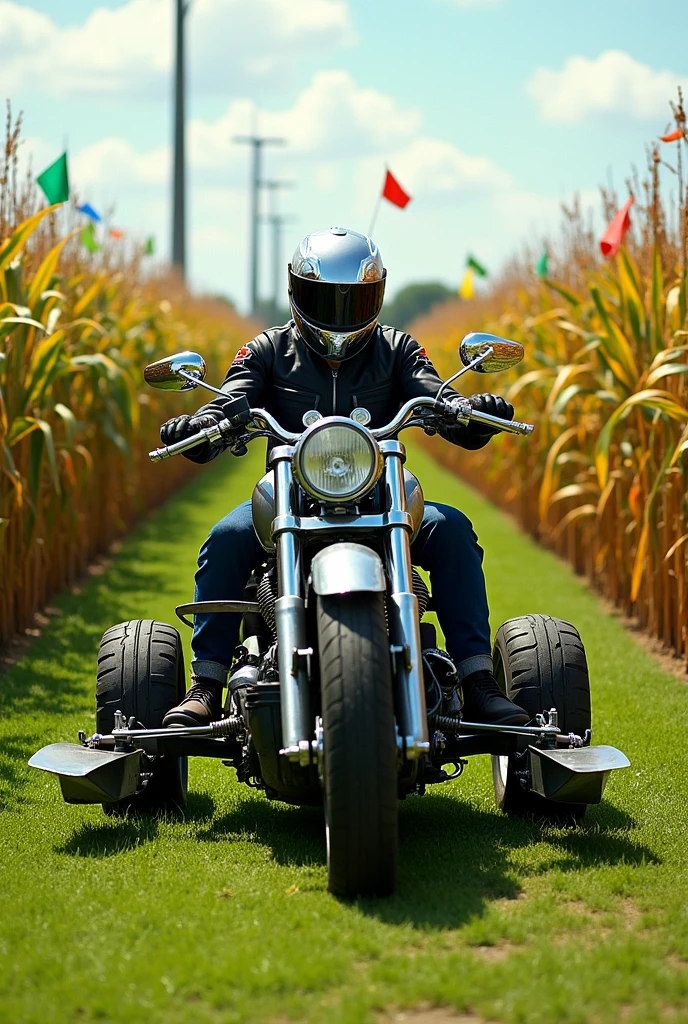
point(88, 238)
point(55, 181)
point(478, 267)
point(541, 265)
point(150, 246)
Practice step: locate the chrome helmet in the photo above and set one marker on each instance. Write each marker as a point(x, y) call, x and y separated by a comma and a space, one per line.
point(336, 288)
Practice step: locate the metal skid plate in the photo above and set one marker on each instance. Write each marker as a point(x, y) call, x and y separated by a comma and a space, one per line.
point(573, 776)
point(90, 776)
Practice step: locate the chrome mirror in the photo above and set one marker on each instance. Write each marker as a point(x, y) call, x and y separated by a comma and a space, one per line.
point(504, 353)
point(181, 372)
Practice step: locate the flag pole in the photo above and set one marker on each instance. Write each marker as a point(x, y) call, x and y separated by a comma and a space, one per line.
point(373, 219)
point(376, 208)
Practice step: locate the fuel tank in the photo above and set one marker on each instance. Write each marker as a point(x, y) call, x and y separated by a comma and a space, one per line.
point(263, 506)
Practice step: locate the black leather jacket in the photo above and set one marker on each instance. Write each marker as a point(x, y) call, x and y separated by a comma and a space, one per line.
point(278, 372)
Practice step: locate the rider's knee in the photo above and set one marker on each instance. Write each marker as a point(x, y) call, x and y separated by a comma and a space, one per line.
point(450, 522)
point(231, 532)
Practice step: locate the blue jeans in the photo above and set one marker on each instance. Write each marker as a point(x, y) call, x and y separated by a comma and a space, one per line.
point(446, 546)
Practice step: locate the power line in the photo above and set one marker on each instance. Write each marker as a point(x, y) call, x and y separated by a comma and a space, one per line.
point(257, 143)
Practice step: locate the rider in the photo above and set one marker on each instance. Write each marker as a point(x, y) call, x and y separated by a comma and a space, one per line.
point(334, 356)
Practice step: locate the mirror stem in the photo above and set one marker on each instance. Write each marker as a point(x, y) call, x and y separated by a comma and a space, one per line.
point(200, 383)
point(471, 366)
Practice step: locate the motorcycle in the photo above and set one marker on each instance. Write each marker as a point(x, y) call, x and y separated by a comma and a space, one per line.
point(338, 693)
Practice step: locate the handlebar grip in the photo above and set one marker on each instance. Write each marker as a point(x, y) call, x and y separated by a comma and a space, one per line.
point(507, 426)
point(210, 434)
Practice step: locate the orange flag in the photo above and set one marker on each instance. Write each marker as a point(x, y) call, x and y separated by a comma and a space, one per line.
point(672, 136)
point(610, 243)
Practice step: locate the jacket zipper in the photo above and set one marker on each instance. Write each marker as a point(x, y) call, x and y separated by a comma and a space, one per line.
point(335, 374)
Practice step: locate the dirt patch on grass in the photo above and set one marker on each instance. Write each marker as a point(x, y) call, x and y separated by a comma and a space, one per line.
point(494, 954)
point(429, 1015)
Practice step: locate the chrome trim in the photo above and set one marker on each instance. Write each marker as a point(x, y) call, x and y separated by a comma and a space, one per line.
point(376, 463)
point(347, 568)
point(290, 619)
point(338, 523)
point(215, 607)
point(403, 617)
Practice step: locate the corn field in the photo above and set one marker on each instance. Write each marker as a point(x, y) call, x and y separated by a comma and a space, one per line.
point(604, 478)
point(76, 421)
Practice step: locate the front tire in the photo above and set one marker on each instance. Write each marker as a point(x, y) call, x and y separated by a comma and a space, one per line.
point(540, 663)
point(141, 674)
point(359, 773)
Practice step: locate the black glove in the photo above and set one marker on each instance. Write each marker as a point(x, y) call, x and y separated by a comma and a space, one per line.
point(495, 406)
point(181, 427)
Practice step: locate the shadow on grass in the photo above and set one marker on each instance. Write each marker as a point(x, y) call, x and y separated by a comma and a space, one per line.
point(13, 769)
point(455, 859)
point(113, 835)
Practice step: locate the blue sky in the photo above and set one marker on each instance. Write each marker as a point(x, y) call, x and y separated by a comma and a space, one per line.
point(490, 112)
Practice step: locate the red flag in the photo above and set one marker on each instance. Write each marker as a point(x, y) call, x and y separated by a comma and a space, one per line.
point(394, 192)
point(673, 136)
point(116, 233)
point(610, 243)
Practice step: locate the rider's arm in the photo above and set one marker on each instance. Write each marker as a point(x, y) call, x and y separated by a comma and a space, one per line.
point(418, 378)
point(246, 377)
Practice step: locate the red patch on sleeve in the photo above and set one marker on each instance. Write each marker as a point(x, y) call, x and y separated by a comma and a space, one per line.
point(422, 354)
point(243, 353)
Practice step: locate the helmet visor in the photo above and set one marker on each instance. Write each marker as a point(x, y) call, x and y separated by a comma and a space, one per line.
point(337, 307)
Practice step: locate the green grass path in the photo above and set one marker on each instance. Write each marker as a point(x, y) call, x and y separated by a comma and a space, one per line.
point(224, 916)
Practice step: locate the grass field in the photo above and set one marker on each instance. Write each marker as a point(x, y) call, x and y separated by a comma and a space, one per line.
point(224, 916)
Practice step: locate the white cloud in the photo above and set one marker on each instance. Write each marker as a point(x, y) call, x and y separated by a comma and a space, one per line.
point(340, 137)
point(434, 166)
point(613, 83)
point(127, 51)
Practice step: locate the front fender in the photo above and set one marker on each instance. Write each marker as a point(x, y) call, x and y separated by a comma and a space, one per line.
point(347, 568)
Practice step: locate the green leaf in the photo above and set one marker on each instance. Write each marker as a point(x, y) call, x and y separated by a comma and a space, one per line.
point(9, 323)
point(43, 368)
point(660, 402)
point(69, 420)
point(15, 242)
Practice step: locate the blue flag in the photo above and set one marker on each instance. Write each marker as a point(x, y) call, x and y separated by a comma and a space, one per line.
point(90, 212)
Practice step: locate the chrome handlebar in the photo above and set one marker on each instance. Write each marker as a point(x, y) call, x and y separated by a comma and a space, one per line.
point(262, 420)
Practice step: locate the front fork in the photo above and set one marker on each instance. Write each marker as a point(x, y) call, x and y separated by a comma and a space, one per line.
point(290, 615)
point(290, 622)
point(404, 619)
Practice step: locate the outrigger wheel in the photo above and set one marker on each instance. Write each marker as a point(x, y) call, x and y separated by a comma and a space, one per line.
point(141, 674)
point(540, 663)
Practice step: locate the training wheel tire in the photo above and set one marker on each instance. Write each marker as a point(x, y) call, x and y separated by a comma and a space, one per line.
point(141, 673)
point(540, 663)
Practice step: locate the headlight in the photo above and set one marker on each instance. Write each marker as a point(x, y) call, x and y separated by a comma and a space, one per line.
point(337, 460)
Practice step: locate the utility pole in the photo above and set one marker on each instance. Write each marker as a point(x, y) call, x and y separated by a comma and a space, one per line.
point(179, 195)
point(276, 222)
point(257, 143)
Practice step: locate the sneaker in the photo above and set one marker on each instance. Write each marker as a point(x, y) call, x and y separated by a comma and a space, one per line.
point(201, 705)
point(483, 701)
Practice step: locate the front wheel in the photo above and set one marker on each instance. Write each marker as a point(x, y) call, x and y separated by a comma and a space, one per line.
point(359, 772)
